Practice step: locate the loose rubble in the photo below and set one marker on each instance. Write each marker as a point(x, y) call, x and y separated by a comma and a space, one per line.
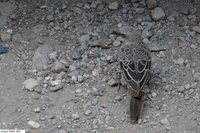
point(66, 55)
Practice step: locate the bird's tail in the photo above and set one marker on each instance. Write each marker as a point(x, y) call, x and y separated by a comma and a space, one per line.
point(135, 109)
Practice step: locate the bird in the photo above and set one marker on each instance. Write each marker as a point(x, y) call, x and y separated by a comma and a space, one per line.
point(135, 63)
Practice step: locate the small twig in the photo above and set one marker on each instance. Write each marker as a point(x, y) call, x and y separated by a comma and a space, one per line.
point(158, 50)
point(119, 34)
point(73, 100)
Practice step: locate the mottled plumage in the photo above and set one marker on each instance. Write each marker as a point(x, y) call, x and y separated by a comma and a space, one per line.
point(135, 62)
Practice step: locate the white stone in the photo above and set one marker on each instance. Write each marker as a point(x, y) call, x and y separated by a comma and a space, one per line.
point(55, 82)
point(164, 121)
point(116, 43)
point(30, 84)
point(5, 37)
point(80, 78)
point(33, 124)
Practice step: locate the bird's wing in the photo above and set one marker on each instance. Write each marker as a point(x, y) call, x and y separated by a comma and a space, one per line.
point(137, 74)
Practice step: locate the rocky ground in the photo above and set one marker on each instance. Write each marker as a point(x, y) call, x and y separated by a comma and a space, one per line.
point(59, 74)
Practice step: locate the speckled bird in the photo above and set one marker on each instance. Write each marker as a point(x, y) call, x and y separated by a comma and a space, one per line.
point(135, 63)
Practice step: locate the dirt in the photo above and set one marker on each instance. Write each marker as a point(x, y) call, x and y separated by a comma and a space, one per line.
point(65, 111)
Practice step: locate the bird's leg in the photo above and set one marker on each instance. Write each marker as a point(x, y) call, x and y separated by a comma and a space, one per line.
point(119, 79)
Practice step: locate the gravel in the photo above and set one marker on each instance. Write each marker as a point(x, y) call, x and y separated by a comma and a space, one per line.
point(73, 75)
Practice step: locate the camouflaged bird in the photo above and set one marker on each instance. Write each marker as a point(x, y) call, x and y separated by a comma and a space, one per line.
point(135, 63)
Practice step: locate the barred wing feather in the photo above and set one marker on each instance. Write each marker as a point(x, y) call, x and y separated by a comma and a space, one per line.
point(137, 74)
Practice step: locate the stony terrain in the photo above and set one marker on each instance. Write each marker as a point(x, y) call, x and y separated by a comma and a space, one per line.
point(59, 74)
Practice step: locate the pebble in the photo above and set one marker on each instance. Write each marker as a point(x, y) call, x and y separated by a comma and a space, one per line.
point(93, 5)
point(196, 29)
point(74, 73)
point(113, 5)
point(197, 75)
point(112, 82)
point(187, 97)
point(33, 124)
point(58, 67)
point(88, 112)
point(75, 55)
point(74, 78)
point(55, 82)
point(187, 86)
point(146, 41)
point(50, 18)
point(53, 55)
point(5, 37)
point(116, 43)
point(75, 116)
point(39, 28)
point(60, 76)
point(80, 78)
point(96, 92)
point(30, 84)
point(42, 118)
point(78, 91)
point(154, 94)
point(146, 34)
point(56, 88)
point(3, 49)
point(37, 110)
point(171, 18)
point(96, 72)
point(139, 10)
point(151, 3)
point(118, 98)
point(166, 123)
point(111, 59)
point(157, 14)
point(179, 61)
point(84, 38)
point(110, 128)
point(181, 89)
point(72, 68)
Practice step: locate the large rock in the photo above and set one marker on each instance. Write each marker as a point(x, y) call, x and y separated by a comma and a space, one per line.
point(5, 37)
point(157, 14)
point(40, 58)
point(58, 67)
point(30, 84)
